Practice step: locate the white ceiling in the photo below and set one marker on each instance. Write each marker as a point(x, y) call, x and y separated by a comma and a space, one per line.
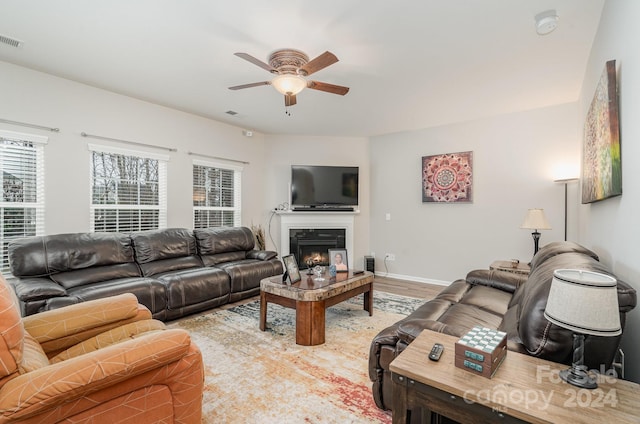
point(409, 64)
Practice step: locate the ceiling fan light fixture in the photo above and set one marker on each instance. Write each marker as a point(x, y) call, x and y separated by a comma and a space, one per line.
point(289, 84)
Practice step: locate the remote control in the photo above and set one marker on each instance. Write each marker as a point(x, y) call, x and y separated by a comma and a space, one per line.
point(436, 352)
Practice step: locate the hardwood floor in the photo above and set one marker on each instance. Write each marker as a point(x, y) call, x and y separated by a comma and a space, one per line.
point(406, 288)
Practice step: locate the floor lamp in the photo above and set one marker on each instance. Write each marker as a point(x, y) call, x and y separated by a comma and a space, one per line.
point(566, 182)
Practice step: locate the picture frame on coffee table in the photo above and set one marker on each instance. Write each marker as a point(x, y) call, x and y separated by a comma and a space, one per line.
point(291, 267)
point(338, 260)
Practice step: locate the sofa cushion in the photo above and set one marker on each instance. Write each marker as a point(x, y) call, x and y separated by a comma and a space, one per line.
point(150, 269)
point(192, 286)
point(246, 274)
point(46, 255)
point(96, 274)
point(11, 331)
point(155, 245)
point(149, 292)
point(558, 248)
point(223, 239)
point(33, 357)
point(221, 258)
point(540, 337)
point(37, 288)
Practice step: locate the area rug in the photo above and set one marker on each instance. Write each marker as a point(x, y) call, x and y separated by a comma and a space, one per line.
point(253, 376)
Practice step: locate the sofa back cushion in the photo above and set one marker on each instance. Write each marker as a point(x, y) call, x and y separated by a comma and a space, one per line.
point(167, 243)
point(93, 254)
point(170, 249)
point(558, 248)
point(11, 332)
point(539, 336)
point(212, 241)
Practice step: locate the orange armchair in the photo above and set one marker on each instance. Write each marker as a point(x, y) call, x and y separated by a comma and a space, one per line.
point(97, 361)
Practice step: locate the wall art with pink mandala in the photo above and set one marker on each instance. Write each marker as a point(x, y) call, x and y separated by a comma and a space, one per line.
point(448, 178)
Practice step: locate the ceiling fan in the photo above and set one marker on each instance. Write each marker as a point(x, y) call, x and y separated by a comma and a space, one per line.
point(291, 67)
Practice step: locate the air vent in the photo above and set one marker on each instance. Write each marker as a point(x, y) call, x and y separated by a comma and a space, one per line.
point(10, 41)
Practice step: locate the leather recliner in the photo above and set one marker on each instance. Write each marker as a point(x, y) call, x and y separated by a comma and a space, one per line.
point(505, 301)
point(99, 361)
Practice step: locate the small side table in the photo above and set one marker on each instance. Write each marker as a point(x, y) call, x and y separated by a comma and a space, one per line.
point(523, 390)
point(520, 268)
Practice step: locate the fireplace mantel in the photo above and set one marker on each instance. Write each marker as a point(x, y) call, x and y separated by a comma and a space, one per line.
point(301, 220)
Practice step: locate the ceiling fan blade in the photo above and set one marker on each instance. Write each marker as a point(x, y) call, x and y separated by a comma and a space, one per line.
point(253, 84)
point(329, 88)
point(320, 62)
point(258, 62)
point(289, 99)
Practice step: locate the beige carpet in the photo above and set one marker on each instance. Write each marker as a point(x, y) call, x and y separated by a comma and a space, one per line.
point(264, 377)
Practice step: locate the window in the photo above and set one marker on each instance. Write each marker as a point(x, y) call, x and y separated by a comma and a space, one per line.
point(22, 178)
point(128, 190)
point(216, 195)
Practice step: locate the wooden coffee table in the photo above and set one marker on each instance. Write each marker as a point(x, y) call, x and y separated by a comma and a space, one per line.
point(310, 299)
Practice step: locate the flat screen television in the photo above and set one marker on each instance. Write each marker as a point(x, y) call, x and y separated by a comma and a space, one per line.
point(324, 187)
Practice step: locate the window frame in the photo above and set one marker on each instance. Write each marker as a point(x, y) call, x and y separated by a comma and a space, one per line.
point(161, 207)
point(38, 142)
point(237, 193)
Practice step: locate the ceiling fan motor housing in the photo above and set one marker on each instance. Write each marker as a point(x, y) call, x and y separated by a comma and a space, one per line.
point(288, 61)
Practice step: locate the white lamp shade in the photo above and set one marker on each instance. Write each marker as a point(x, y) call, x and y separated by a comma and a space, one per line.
point(536, 220)
point(585, 302)
point(289, 83)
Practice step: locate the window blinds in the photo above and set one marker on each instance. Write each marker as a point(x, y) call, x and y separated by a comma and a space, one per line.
point(216, 195)
point(22, 178)
point(128, 190)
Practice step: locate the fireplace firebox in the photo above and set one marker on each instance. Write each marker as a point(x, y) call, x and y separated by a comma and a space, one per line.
point(313, 244)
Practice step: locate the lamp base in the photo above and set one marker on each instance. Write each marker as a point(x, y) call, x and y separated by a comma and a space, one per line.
point(578, 376)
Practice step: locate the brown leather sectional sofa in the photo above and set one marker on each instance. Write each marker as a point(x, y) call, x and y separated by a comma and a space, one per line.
point(173, 272)
point(505, 301)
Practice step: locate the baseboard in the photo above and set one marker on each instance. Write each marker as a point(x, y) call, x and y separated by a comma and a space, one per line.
point(414, 279)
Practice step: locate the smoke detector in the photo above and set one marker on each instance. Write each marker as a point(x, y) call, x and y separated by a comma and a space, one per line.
point(546, 22)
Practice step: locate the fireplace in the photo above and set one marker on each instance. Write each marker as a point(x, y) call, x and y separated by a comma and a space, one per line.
point(317, 221)
point(312, 244)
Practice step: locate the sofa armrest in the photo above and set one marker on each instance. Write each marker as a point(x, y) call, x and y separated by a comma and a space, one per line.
point(61, 328)
point(501, 280)
point(261, 255)
point(53, 385)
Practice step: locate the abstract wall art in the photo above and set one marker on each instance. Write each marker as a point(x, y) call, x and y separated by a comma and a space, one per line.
point(447, 178)
point(601, 158)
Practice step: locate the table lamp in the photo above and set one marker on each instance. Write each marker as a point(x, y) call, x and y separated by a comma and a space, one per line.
point(584, 302)
point(535, 220)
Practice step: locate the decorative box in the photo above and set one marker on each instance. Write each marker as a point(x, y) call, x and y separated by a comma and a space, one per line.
point(481, 351)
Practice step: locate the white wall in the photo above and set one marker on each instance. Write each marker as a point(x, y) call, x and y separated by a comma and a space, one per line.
point(516, 157)
point(38, 98)
point(610, 227)
point(284, 151)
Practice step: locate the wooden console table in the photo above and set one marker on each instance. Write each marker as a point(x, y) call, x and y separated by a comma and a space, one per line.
point(523, 389)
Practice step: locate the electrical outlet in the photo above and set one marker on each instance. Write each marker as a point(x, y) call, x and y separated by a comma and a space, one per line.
point(390, 256)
